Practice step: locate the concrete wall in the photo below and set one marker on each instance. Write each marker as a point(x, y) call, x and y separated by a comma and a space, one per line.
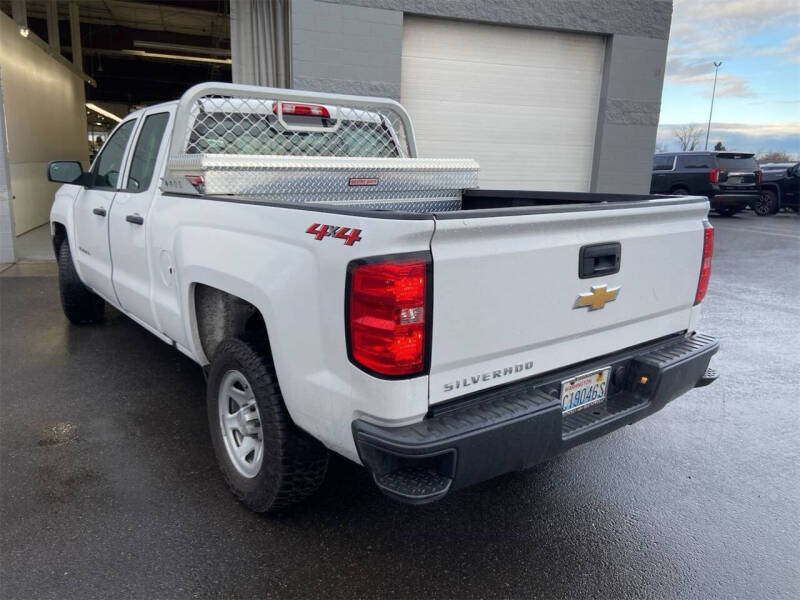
point(346, 49)
point(44, 104)
point(354, 46)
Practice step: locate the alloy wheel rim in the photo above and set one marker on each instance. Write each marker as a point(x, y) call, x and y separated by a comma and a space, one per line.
point(763, 205)
point(240, 424)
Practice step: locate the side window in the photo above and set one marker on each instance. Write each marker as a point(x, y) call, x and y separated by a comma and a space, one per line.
point(691, 161)
point(144, 157)
point(663, 162)
point(106, 170)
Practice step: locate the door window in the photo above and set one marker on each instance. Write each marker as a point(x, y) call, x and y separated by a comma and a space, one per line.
point(109, 163)
point(143, 161)
point(663, 162)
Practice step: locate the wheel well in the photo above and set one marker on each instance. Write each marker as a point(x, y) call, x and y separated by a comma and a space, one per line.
point(772, 188)
point(221, 315)
point(59, 235)
point(677, 187)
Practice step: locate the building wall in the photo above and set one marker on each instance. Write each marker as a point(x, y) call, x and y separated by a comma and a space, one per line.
point(354, 46)
point(6, 219)
point(346, 49)
point(45, 116)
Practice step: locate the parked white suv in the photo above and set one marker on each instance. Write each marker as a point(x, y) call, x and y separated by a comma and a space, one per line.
point(343, 294)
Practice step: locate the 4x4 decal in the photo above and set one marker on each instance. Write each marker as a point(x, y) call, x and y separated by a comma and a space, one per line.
point(350, 236)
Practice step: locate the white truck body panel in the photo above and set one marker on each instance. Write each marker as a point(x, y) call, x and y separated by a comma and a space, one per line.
point(505, 290)
point(503, 285)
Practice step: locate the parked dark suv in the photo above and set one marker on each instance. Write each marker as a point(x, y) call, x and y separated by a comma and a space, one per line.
point(730, 180)
point(780, 188)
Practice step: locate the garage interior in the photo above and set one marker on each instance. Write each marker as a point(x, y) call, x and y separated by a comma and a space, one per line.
point(128, 55)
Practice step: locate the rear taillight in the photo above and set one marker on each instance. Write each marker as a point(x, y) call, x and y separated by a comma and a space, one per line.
point(705, 266)
point(306, 110)
point(759, 175)
point(716, 175)
point(387, 305)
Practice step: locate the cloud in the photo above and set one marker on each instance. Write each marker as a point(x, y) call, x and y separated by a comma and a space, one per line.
point(699, 75)
point(789, 48)
point(704, 31)
point(745, 137)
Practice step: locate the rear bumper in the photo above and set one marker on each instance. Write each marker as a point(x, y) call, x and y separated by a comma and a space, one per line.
point(478, 437)
point(733, 200)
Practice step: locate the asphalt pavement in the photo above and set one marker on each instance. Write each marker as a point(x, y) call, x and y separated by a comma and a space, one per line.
point(110, 488)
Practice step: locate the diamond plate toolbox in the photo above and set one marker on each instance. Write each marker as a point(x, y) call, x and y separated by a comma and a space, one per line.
point(242, 141)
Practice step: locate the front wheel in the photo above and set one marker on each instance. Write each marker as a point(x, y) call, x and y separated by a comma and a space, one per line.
point(267, 462)
point(79, 303)
point(767, 204)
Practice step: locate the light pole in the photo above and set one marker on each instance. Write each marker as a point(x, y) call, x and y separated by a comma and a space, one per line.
point(717, 65)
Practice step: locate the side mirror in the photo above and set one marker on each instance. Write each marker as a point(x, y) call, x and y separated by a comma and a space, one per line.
point(65, 171)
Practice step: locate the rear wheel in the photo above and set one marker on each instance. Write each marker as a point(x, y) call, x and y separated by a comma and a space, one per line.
point(78, 302)
point(268, 463)
point(767, 204)
point(680, 192)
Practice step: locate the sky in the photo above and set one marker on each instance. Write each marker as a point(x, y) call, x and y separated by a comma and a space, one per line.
point(757, 102)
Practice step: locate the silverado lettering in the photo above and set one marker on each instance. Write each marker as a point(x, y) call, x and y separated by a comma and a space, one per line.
point(487, 376)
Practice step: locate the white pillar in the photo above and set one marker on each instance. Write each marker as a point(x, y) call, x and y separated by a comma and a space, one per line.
point(53, 37)
point(19, 12)
point(75, 35)
point(6, 216)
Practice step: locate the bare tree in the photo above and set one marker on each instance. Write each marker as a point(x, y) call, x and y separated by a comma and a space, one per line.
point(688, 136)
point(774, 157)
point(661, 147)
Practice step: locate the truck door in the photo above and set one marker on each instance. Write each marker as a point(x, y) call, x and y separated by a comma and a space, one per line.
point(128, 225)
point(92, 207)
point(791, 189)
point(660, 179)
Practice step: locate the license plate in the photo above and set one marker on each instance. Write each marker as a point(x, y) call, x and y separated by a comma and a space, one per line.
point(584, 390)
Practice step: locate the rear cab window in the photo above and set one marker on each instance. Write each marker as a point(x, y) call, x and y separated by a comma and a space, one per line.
point(253, 133)
point(663, 162)
point(745, 163)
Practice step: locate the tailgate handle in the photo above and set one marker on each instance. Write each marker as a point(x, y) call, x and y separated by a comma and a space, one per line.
point(597, 260)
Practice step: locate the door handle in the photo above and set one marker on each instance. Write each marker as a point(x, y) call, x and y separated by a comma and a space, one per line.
point(135, 219)
point(99, 211)
point(597, 260)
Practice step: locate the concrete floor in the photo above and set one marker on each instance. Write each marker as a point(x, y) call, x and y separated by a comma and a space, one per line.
point(34, 245)
point(110, 489)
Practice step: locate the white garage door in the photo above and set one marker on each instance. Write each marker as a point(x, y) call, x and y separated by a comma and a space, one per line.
point(523, 102)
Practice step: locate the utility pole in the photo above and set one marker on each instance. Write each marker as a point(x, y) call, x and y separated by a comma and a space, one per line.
point(717, 65)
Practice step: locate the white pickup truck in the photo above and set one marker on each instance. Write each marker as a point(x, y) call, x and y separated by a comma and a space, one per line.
point(343, 294)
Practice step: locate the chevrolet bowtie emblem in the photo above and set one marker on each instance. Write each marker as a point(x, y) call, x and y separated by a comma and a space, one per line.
point(597, 298)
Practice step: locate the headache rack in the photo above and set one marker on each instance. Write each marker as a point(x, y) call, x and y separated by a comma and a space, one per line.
point(279, 145)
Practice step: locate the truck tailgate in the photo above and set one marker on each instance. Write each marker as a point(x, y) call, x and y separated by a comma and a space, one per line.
point(505, 289)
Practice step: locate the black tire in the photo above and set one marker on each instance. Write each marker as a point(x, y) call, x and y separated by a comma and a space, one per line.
point(767, 204)
point(80, 304)
point(294, 464)
point(680, 192)
point(727, 211)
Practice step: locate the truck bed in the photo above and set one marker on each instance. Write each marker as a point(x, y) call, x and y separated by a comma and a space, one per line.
point(474, 203)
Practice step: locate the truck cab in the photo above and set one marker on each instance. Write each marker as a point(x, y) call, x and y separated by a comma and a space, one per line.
point(780, 187)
